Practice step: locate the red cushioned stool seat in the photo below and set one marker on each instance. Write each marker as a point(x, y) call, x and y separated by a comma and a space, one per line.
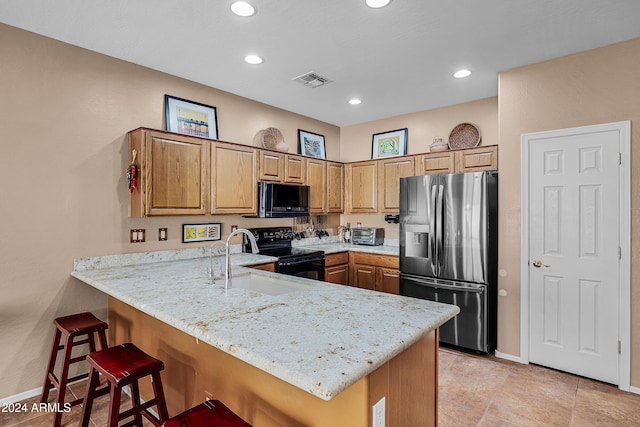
point(124, 365)
point(211, 413)
point(84, 326)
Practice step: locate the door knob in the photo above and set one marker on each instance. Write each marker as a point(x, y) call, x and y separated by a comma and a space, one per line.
point(537, 264)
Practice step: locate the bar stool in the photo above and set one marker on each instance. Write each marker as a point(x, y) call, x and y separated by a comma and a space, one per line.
point(123, 365)
point(73, 326)
point(211, 413)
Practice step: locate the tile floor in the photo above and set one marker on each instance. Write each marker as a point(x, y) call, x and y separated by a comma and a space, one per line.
point(474, 390)
point(486, 391)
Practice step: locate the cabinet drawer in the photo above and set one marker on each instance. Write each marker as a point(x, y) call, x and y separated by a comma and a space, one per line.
point(336, 259)
point(388, 261)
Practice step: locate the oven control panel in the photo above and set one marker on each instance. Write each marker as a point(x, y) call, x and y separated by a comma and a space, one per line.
point(272, 235)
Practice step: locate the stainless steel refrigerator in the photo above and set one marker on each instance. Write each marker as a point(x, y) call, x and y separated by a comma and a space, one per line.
point(449, 251)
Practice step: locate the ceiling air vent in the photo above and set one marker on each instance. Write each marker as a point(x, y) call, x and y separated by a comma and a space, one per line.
point(312, 80)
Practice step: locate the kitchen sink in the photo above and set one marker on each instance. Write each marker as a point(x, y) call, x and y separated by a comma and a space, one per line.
point(267, 284)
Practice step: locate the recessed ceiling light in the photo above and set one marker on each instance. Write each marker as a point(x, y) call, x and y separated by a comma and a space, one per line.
point(376, 4)
point(460, 74)
point(355, 101)
point(242, 8)
point(253, 59)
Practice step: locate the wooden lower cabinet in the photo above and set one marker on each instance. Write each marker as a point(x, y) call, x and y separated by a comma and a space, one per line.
point(375, 272)
point(195, 370)
point(388, 280)
point(267, 266)
point(336, 268)
point(363, 276)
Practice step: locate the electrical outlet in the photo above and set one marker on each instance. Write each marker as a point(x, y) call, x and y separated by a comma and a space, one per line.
point(136, 235)
point(379, 415)
point(162, 234)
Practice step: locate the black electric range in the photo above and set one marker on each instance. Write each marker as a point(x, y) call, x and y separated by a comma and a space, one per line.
point(293, 261)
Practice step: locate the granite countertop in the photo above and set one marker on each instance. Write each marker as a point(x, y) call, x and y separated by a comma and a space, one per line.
point(334, 247)
point(321, 339)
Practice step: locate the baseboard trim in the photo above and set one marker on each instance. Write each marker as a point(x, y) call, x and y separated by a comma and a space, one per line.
point(509, 357)
point(21, 396)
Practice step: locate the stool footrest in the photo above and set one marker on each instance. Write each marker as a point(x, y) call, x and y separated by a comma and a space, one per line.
point(78, 378)
point(141, 409)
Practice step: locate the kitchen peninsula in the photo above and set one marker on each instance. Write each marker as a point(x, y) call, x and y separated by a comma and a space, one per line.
point(313, 354)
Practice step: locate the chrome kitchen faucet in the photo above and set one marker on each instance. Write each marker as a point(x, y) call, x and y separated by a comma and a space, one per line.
point(227, 260)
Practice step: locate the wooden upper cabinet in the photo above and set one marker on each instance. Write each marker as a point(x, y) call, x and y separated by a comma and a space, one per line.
point(173, 175)
point(335, 187)
point(389, 173)
point(295, 169)
point(437, 162)
point(454, 161)
point(281, 167)
point(317, 181)
point(362, 184)
point(477, 159)
point(271, 166)
point(234, 179)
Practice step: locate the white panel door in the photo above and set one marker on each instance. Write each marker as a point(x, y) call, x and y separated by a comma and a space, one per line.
point(574, 284)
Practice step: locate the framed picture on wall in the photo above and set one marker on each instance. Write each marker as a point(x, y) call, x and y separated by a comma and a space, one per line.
point(190, 118)
point(389, 144)
point(311, 144)
point(200, 232)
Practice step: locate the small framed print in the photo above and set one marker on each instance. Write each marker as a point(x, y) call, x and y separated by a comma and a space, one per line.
point(311, 144)
point(389, 144)
point(200, 232)
point(190, 118)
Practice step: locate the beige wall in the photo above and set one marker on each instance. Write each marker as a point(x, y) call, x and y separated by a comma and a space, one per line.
point(64, 115)
point(422, 127)
point(597, 86)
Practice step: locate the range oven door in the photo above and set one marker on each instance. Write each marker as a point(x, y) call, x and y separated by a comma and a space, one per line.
point(308, 267)
point(469, 328)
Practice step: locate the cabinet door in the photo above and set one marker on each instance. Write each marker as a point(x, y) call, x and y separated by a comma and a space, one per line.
point(363, 276)
point(337, 274)
point(269, 266)
point(295, 169)
point(388, 280)
point(335, 187)
point(389, 173)
point(477, 159)
point(432, 163)
point(271, 166)
point(234, 179)
point(316, 179)
point(173, 177)
point(362, 186)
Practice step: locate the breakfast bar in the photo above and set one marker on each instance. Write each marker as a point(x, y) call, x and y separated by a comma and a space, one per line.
point(278, 350)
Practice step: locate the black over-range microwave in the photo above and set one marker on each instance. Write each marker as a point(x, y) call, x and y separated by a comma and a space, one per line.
point(277, 200)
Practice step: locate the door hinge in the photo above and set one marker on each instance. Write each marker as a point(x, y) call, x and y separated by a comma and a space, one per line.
point(619, 347)
point(619, 252)
point(620, 158)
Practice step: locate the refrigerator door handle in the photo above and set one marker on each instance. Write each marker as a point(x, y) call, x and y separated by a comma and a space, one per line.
point(440, 227)
point(433, 227)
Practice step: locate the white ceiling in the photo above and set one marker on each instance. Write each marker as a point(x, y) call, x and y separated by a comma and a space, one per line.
point(398, 59)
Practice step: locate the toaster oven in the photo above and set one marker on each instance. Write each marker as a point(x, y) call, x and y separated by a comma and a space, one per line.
point(367, 236)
